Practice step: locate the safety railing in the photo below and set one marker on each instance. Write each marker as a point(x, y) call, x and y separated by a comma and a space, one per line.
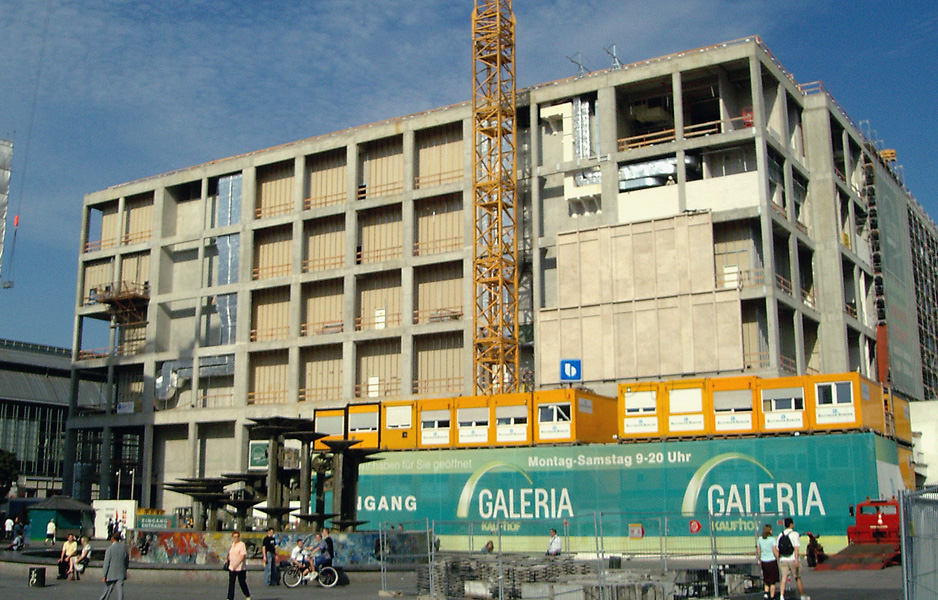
point(269, 271)
point(267, 397)
point(438, 315)
point(377, 191)
point(218, 400)
point(273, 210)
point(324, 200)
point(439, 385)
point(378, 321)
point(320, 394)
point(422, 248)
point(381, 389)
point(323, 263)
point(423, 181)
point(379, 254)
point(262, 334)
point(321, 327)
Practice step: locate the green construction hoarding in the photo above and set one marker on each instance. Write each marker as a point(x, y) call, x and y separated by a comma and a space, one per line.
point(813, 478)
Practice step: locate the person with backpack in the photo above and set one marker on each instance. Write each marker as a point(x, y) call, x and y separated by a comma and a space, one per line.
point(789, 559)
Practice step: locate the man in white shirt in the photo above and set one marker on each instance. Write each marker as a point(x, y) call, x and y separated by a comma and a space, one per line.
point(790, 561)
point(554, 546)
point(8, 528)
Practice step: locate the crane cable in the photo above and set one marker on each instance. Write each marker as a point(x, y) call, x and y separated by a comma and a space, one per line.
point(29, 134)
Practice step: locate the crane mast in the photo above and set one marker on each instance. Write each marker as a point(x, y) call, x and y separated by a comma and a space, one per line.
point(495, 243)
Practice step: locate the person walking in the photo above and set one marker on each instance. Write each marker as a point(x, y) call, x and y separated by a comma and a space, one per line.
point(114, 568)
point(269, 545)
point(554, 545)
point(237, 554)
point(789, 559)
point(767, 555)
point(50, 532)
point(8, 528)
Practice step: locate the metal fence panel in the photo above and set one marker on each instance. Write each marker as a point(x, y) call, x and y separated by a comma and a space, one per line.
point(919, 522)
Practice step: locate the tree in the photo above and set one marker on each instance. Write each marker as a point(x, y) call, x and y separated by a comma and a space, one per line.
point(9, 472)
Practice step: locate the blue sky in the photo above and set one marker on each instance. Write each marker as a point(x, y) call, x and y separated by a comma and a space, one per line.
point(128, 89)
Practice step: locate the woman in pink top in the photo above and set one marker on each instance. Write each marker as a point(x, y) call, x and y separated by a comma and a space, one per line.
point(236, 567)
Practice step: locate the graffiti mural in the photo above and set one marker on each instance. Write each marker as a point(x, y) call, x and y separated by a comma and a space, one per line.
point(179, 547)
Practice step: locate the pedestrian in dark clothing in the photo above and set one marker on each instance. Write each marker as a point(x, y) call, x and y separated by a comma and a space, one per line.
point(270, 558)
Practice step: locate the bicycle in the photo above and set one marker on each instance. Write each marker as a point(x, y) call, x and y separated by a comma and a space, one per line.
point(326, 577)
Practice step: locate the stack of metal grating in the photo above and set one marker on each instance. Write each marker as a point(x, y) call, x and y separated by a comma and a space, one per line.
point(452, 571)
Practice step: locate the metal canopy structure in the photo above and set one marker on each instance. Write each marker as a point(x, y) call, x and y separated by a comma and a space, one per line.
point(495, 244)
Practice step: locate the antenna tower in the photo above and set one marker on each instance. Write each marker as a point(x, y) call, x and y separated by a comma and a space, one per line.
point(495, 244)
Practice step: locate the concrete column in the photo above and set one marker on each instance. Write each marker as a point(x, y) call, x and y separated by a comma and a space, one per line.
point(107, 464)
point(305, 476)
point(71, 436)
point(410, 164)
point(273, 481)
point(606, 115)
point(144, 471)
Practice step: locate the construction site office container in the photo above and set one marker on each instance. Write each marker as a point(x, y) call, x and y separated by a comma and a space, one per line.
point(641, 413)
point(687, 410)
point(330, 421)
point(474, 423)
point(736, 409)
point(573, 416)
point(902, 418)
point(435, 419)
point(907, 466)
point(513, 420)
point(783, 404)
point(399, 425)
point(364, 423)
point(845, 401)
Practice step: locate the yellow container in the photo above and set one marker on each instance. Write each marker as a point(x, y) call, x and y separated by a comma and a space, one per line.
point(399, 425)
point(907, 466)
point(687, 408)
point(784, 404)
point(735, 409)
point(364, 423)
point(474, 425)
point(640, 410)
point(435, 423)
point(902, 417)
point(513, 419)
point(845, 401)
point(330, 421)
point(573, 416)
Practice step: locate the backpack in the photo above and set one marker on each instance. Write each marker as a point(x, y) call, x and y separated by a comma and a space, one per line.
point(785, 547)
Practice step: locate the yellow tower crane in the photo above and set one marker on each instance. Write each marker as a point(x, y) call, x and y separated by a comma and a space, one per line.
point(495, 244)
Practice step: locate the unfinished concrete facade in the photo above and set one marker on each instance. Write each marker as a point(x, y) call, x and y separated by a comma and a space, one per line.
point(695, 215)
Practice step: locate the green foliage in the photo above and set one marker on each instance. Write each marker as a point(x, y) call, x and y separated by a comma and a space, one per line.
point(9, 471)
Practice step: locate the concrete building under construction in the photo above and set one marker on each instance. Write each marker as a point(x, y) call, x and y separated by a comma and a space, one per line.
point(699, 215)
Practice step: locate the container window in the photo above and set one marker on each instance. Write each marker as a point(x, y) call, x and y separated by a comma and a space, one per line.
point(686, 401)
point(782, 399)
point(554, 413)
point(398, 417)
point(330, 425)
point(732, 401)
point(363, 422)
point(840, 392)
point(640, 402)
point(472, 417)
point(435, 419)
point(511, 415)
